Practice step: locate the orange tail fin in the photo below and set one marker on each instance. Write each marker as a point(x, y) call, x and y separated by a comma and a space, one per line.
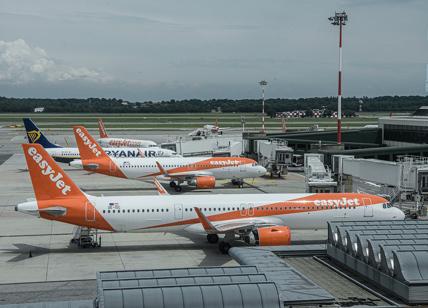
point(90, 151)
point(102, 129)
point(49, 180)
point(88, 146)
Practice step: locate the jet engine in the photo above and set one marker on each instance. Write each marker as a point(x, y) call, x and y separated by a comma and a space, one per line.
point(270, 236)
point(203, 182)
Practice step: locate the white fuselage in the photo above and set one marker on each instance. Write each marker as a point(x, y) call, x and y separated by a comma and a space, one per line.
point(141, 212)
point(69, 154)
point(184, 167)
point(125, 142)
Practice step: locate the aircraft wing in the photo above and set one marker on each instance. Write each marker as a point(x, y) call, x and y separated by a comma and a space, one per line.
point(183, 174)
point(220, 227)
point(161, 190)
point(190, 174)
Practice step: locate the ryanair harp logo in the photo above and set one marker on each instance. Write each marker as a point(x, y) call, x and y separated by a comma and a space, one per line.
point(33, 135)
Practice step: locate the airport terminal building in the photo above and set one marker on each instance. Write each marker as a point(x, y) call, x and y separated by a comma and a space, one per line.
point(405, 130)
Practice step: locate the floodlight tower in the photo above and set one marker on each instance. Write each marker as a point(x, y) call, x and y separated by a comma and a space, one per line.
point(339, 19)
point(263, 84)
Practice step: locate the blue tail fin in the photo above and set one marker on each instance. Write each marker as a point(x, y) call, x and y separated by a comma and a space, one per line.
point(34, 135)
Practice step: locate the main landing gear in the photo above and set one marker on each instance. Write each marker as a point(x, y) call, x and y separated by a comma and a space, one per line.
point(177, 187)
point(225, 244)
point(238, 182)
point(212, 238)
point(224, 247)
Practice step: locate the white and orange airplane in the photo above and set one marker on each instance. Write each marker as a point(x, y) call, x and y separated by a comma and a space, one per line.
point(261, 219)
point(201, 172)
point(106, 141)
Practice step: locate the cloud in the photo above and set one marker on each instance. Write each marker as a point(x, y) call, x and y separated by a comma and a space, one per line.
point(21, 63)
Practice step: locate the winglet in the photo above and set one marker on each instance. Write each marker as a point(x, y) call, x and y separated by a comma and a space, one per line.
point(102, 129)
point(161, 190)
point(161, 169)
point(208, 226)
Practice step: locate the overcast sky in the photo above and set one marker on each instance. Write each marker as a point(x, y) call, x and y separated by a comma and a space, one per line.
point(153, 50)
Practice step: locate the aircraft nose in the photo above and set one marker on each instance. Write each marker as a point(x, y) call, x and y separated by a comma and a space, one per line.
point(28, 208)
point(398, 214)
point(261, 170)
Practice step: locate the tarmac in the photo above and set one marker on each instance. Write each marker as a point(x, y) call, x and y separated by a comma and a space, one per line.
point(36, 254)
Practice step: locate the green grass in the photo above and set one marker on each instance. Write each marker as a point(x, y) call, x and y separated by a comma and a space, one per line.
point(178, 121)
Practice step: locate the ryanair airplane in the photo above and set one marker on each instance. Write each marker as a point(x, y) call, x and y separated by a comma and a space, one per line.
point(68, 154)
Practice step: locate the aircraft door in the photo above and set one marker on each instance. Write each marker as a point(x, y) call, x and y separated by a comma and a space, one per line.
point(247, 209)
point(178, 211)
point(89, 212)
point(112, 166)
point(368, 208)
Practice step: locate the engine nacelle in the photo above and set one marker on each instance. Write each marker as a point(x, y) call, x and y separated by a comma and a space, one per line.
point(203, 182)
point(272, 236)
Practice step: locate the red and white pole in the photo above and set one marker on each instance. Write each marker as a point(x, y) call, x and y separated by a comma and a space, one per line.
point(339, 88)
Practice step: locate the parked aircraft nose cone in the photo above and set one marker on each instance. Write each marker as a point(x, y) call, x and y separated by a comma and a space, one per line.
point(261, 170)
point(398, 214)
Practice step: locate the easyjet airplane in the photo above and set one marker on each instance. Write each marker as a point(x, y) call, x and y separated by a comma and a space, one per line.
point(261, 219)
point(201, 172)
point(67, 154)
point(106, 141)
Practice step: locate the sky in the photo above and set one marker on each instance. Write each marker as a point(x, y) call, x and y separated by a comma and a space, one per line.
point(142, 50)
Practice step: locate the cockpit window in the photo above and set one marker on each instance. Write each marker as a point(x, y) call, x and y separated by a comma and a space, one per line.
point(387, 205)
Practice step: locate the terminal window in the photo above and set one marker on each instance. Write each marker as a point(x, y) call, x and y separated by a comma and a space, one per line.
point(405, 133)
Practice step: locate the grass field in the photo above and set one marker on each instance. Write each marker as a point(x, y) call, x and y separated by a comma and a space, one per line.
point(180, 121)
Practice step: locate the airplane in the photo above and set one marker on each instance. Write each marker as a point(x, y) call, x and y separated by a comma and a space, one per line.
point(106, 141)
point(207, 131)
point(201, 172)
point(257, 219)
point(68, 154)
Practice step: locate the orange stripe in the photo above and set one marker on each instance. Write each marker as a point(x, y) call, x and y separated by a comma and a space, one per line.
point(206, 164)
point(299, 205)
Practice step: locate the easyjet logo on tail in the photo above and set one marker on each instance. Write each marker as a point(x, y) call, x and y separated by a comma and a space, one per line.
point(338, 202)
point(33, 135)
point(86, 141)
point(48, 171)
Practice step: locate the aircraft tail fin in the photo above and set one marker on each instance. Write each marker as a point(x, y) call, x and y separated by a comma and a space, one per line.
point(93, 154)
point(48, 179)
point(35, 135)
point(102, 129)
point(88, 146)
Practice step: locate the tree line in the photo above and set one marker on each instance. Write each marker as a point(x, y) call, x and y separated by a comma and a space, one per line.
point(272, 105)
